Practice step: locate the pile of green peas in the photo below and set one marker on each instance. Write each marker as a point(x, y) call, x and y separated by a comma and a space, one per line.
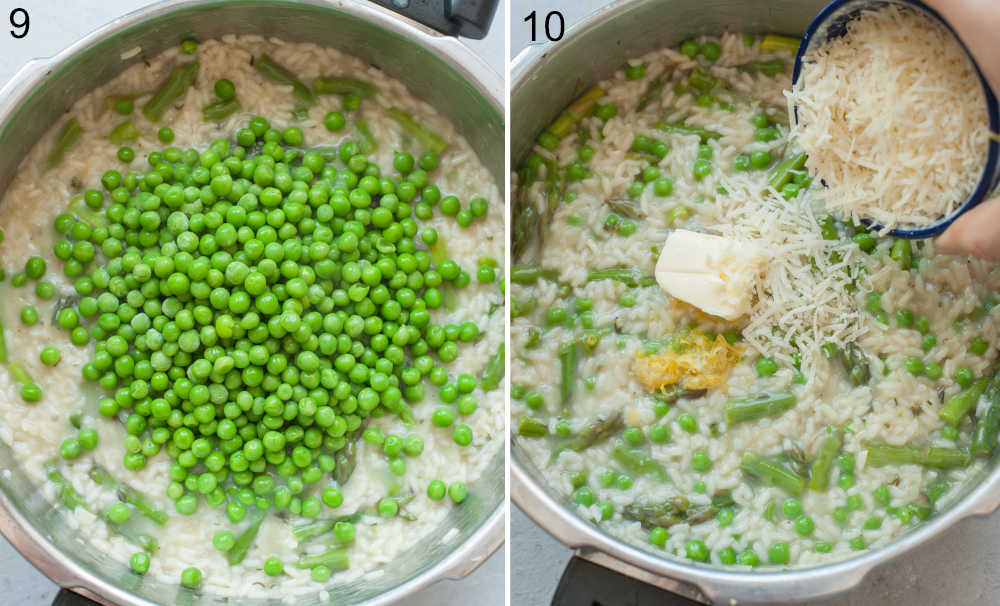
point(252, 305)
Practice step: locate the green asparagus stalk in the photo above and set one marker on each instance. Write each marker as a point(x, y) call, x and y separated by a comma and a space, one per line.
point(124, 132)
point(532, 428)
point(679, 128)
point(220, 110)
point(245, 540)
point(129, 495)
point(366, 140)
point(902, 251)
point(771, 473)
point(531, 274)
point(851, 361)
point(333, 85)
point(984, 437)
point(595, 432)
point(421, 133)
point(959, 406)
point(3, 344)
point(626, 275)
point(67, 494)
point(774, 42)
point(335, 559)
point(140, 539)
point(76, 420)
point(638, 462)
point(701, 80)
point(625, 208)
point(346, 459)
point(567, 373)
point(275, 72)
point(317, 528)
point(522, 307)
point(880, 455)
point(19, 374)
point(663, 515)
point(782, 173)
point(69, 135)
point(768, 68)
point(494, 371)
point(819, 473)
point(177, 83)
point(580, 109)
point(653, 92)
point(758, 407)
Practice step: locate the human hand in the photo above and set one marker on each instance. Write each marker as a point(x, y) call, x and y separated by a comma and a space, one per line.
point(977, 22)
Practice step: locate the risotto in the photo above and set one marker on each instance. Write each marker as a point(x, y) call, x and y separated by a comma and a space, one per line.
point(851, 394)
point(270, 314)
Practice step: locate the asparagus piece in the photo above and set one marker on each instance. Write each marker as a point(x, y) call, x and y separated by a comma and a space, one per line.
point(958, 407)
point(133, 536)
point(774, 42)
point(531, 274)
point(782, 173)
point(526, 222)
point(67, 494)
point(625, 208)
point(768, 68)
point(274, 71)
point(494, 371)
point(653, 92)
point(124, 132)
point(662, 515)
point(597, 431)
point(3, 344)
point(771, 473)
point(317, 528)
point(177, 83)
point(245, 540)
point(902, 251)
point(626, 275)
point(638, 462)
point(522, 307)
point(366, 140)
point(532, 428)
point(880, 455)
point(580, 109)
point(851, 361)
point(567, 373)
point(723, 498)
point(19, 374)
point(701, 80)
point(129, 495)
point(346, 459)
point(69, 135)
point(591, 337)
point(819, 473)
point(220, 110)
point(333, 85)
point(679, 128)
point(758, 407)
point(984, 437)
point(335, 559)
point(421, 133)
point(76, 420)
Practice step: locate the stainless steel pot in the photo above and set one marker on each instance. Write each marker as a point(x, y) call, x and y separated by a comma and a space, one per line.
point(437, 68)
point(544, 80)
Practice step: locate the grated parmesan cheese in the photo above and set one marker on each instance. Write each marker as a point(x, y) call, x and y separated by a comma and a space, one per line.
point(893, 118)
point(803, 299)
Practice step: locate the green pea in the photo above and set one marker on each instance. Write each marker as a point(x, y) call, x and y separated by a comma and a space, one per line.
point(687, 422)
point(779, 553)
point(658, 536)
point(765, 367)
point(139, 562)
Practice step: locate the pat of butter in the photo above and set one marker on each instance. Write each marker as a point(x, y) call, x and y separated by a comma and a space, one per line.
point(713, 273)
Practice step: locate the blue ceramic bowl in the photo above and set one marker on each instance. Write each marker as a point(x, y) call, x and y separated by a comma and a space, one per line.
point(832, 22)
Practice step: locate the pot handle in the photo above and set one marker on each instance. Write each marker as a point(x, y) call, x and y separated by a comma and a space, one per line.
point(66, 597)
point(467, 18)
point(584, 583)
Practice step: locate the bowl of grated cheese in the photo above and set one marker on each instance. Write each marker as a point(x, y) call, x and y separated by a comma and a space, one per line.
point(895, 115)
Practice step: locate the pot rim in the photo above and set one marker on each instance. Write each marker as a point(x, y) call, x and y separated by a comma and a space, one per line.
point(36, 547)
point(707, 583)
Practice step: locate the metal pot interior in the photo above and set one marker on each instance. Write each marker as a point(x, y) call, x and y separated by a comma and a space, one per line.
point(437, 69)
point(544, 82)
